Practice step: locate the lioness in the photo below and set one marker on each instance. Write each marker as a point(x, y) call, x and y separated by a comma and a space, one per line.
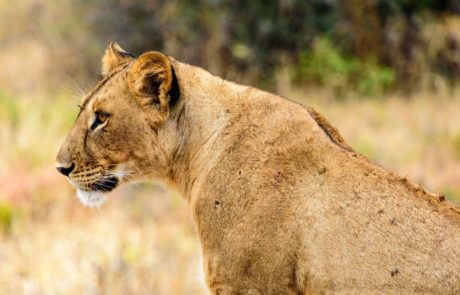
point(281, 203)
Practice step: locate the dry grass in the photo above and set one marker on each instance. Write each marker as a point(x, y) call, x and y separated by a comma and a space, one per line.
point(143, 241)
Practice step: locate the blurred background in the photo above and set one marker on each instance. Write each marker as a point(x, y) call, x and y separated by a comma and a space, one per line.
point(385, 72)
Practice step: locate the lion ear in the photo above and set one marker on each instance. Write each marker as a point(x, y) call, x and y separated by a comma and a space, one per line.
point(150, 80)
point(113, 57)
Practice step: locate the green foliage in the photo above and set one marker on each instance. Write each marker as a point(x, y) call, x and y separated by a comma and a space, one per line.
point(6, 217)
point(9, 109)
point(325, 65)
point(456, 143)
point(453, 194)
point(374, 78)
point(376, 42)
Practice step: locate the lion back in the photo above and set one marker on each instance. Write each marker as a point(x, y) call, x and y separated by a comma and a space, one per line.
point(330, 130)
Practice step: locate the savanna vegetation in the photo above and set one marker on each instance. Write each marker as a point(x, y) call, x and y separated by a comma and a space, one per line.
point(386, 72)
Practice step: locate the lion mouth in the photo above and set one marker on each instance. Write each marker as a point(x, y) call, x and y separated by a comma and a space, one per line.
point(105, 185)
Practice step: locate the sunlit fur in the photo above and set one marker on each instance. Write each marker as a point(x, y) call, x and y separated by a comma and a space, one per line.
point(281, 204)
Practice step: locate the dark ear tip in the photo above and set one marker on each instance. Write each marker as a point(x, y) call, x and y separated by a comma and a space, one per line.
point(116, 48)
point(126, 54)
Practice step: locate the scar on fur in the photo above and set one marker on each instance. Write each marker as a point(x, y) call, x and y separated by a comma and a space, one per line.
point(277, 177)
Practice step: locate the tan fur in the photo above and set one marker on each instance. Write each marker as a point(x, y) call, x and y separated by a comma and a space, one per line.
point(281, 203)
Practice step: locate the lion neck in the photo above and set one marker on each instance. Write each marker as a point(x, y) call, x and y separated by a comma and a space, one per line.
point(198, 120)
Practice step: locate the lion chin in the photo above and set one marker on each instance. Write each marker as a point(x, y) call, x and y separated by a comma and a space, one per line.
point(91, 199)
point(95, 196)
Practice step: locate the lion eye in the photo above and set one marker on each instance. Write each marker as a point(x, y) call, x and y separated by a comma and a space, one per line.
point(101, 119)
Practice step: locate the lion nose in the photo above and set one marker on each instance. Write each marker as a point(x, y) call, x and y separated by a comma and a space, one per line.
point(66, 170)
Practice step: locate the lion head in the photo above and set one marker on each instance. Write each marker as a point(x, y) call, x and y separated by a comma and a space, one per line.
point(115, 137)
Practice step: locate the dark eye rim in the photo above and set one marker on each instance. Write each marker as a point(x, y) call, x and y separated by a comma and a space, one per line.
point(101, 118)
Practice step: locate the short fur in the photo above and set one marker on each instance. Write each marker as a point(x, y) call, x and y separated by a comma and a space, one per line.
point(281, 203)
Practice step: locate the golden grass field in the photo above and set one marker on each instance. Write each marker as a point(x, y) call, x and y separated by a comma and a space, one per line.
point(142, 241)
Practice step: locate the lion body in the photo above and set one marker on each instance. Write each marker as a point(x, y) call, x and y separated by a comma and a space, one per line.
point(282, 205)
